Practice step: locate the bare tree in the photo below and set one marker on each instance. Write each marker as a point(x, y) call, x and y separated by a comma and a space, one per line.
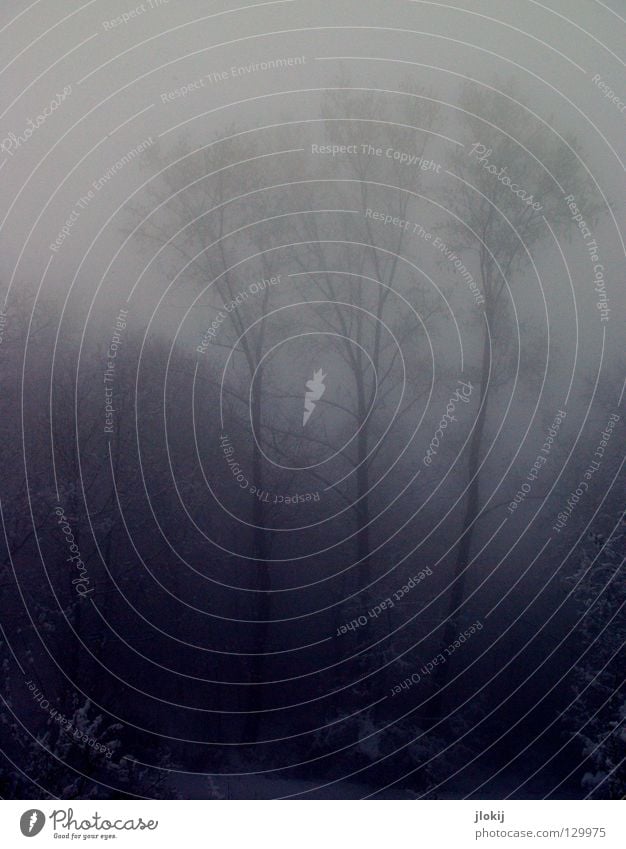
point(509, 181)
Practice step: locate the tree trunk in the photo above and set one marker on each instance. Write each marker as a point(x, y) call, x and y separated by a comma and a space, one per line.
point(434, 709)
point(363, 515)
point(261, 547)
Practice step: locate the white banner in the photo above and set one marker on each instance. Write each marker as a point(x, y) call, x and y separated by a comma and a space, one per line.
point(309, 825)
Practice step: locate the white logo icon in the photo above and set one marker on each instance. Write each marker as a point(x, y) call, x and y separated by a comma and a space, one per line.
point(32, 822)
point(315, 390)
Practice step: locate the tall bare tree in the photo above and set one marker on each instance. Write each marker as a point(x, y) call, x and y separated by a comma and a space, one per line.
point(508, 179)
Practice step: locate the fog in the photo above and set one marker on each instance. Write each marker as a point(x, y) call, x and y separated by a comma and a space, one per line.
point(312, 384)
